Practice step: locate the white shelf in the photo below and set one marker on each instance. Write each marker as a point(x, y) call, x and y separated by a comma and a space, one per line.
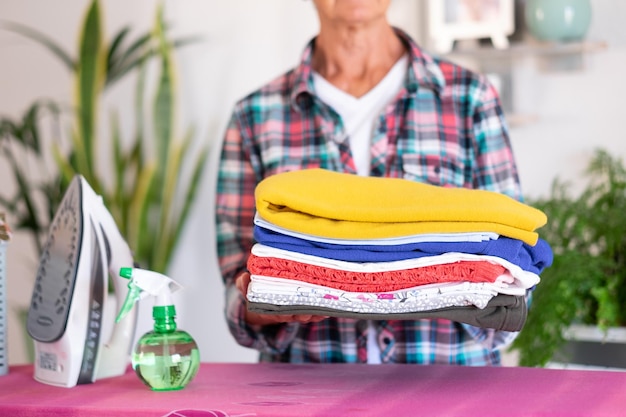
point(548, 56)
point(527, 48)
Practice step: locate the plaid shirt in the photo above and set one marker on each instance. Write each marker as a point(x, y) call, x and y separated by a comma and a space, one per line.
point(445, 127)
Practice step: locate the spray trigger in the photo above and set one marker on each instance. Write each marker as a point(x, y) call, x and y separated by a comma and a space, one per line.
point(143, 283)
point(133, 295)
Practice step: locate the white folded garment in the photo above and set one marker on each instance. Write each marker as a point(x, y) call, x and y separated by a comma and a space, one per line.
point(426, 237)
point(521, 279)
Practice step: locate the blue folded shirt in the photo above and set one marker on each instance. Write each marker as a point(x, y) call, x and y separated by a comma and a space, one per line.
point(530, 258)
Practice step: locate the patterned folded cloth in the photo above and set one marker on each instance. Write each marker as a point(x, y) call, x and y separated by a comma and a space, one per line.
point(461, 271)
point(502, 312)
point(282, 291)
point(341, 205)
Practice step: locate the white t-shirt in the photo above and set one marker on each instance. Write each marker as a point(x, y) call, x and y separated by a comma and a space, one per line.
point(359, 114)
point(359, 118)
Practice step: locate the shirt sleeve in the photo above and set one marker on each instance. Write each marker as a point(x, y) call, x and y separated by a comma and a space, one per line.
point(234, 203)
point(235, 207)
point(273, 339)
point(496, 170)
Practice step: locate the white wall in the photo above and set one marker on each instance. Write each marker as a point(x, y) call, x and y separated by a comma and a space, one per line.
point(248, 42)
point(577, 110)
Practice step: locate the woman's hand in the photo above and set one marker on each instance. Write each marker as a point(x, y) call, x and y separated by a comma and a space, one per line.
point(242, 281)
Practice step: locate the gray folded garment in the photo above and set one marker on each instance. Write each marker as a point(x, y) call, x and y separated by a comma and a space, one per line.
point(503, 312)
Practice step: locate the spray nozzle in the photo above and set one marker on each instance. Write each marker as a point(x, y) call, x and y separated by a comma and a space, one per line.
point(144, 283)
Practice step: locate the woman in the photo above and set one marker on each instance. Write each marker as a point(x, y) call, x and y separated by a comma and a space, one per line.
point(365, 99)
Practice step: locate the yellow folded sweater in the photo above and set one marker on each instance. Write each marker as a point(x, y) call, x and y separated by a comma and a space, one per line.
point(339, 205)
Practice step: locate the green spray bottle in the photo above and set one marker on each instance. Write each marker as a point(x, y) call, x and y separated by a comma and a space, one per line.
point(165, 359)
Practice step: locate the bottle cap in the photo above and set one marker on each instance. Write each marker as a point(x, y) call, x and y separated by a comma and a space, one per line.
point(162, 312)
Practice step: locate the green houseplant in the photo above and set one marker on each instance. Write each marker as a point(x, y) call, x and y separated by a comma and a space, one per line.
point(38, 185)
point(151, 183)
point(586, 283)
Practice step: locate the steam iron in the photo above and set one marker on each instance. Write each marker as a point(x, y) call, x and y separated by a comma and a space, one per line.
point(69, 301)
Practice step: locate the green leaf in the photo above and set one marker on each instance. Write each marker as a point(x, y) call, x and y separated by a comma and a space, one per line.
point(116, 202)
point(168, 202)
point(132, 57)
point(140, 113)
point(190, 197)
point(114, 51)
point(137, 54)
point(164, 101)
point(90, 81)
point(142, 233)
point(42, 39)
point(67, 169)
point(30, 218)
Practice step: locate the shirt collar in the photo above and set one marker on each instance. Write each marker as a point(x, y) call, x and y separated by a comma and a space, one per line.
point(424, 72)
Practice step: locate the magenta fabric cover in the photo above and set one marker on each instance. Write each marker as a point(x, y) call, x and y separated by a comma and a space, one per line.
point(229, 390)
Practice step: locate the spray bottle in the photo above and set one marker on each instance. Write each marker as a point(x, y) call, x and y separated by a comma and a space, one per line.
point(165, 359)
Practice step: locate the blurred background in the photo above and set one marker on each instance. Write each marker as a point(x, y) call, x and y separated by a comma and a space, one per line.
point(561, 102)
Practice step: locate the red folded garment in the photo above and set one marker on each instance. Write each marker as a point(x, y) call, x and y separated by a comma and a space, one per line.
point(470, 271)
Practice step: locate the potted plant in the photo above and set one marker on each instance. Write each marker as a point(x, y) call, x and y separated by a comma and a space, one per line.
point(586, 284)
point(151, 183)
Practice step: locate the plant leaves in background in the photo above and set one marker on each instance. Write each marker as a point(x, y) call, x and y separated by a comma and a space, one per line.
point(145, 188)
point(35, 199)
point(586, 283)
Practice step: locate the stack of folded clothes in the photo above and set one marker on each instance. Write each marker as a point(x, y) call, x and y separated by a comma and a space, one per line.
point(342, 245)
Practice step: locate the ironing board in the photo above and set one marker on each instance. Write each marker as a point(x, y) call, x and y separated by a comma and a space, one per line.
point(229, 390)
